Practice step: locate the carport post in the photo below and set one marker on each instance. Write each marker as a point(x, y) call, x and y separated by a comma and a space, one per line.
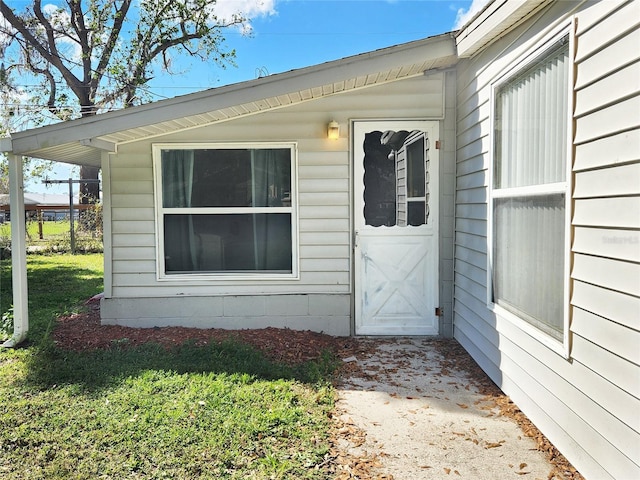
point(18, 252)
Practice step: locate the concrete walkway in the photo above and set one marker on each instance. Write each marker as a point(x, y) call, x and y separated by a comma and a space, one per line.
point(422, 417)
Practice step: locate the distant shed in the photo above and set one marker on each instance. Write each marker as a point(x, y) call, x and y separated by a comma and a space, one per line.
point(48, 205)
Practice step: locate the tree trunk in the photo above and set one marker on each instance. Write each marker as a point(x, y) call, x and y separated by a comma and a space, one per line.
point(89, 192)
point(89, 195)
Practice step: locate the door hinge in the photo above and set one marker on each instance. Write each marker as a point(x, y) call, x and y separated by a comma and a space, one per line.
point(437, 144)
point(439, 312)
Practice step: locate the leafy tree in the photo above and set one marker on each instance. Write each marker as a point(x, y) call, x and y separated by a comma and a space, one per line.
point(33, 168)
point(86, 56)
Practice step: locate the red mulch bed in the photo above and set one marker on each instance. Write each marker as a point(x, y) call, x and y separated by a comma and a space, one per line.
point(83, 331)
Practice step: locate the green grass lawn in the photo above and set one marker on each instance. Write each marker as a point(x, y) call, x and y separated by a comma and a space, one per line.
point(49, 229)
point(55, 236)
point(219, 411)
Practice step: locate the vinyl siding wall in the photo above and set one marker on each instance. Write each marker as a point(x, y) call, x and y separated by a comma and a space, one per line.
point(321, 298)
point(586, 405)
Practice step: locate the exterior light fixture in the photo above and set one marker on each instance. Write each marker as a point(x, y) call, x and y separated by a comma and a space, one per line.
point(333, 130)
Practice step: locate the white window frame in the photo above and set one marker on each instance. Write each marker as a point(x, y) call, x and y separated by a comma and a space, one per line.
point(160, 211)
point(530, 57)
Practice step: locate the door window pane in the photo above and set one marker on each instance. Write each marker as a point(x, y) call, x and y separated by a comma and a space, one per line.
point(395, 178)
point(379, 182)
point(416, 213)
point(416, 168)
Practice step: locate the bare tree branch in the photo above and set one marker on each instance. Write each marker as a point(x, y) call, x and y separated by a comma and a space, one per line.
point(77, 20)
point(51, 103)
point(120, 16)
point(30, 40)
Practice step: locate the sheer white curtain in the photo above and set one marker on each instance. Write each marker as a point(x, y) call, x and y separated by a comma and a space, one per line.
point(529, 188)
point(179, 234)
point(270, 172)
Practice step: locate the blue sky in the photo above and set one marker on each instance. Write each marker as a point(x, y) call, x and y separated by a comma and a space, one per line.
point(300, 33)
point(290, 34)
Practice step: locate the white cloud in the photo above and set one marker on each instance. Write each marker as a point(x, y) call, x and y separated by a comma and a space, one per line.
point(57, 16)
point(464, 16)
point(227, 10)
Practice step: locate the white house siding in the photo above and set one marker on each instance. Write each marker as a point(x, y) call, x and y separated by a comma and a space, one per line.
point(321, 298)
point(587, 405)
point(447, 214)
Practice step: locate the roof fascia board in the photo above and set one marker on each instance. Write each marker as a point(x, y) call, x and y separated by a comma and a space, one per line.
point(497, 18)
point(6, 145)
point(236, 94)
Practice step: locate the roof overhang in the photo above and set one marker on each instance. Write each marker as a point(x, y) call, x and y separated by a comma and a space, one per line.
point(493, 22)
point(82, 141)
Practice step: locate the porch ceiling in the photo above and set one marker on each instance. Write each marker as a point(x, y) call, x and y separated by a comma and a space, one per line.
point(82, 141)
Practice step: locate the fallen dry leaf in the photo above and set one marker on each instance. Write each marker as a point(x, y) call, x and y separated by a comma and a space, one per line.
point(492, 445)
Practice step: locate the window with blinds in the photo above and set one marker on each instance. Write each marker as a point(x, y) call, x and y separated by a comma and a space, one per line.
point(529, 191)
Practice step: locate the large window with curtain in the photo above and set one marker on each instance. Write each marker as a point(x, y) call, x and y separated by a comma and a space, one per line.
point(529, 191)
point(226, 209)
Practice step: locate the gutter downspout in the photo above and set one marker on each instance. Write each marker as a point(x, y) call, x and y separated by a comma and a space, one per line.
point(18, 252)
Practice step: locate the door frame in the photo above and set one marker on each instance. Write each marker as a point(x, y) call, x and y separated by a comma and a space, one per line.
point(432, 127)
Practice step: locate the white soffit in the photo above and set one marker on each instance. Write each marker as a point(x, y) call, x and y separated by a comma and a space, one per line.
point(493, 22)
point(82, 141)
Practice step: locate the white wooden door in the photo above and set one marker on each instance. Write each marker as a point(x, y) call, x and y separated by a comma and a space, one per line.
point(395, 226)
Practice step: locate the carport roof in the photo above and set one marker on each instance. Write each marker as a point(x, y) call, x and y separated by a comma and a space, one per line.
point(82, 141)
